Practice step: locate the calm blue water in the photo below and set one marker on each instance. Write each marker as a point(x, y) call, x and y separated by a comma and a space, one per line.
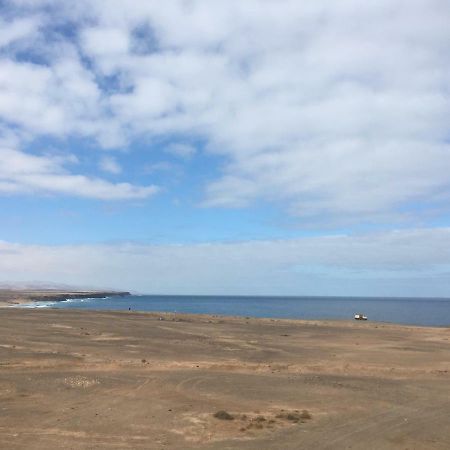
point(426, 311)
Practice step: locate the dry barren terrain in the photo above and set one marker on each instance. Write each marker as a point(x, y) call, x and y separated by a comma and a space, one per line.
point(117, 380)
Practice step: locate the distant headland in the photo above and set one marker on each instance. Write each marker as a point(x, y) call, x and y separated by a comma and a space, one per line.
point(11, 297)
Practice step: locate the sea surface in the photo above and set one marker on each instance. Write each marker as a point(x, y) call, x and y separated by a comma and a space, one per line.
point(413, 311)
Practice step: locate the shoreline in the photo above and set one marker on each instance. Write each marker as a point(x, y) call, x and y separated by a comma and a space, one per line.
point(219, 318)
point(47, 299)
point(13, 297)
point(170, 316)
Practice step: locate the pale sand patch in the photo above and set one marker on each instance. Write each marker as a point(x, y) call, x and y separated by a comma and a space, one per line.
point(80, 382)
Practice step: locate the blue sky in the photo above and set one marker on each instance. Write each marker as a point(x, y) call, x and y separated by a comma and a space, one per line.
point(226, 147)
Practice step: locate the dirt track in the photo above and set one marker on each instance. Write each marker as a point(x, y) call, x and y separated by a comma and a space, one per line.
point(87, 380)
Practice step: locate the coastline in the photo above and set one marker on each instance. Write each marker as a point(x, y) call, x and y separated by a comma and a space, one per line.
point(74, 375)
point(426, 312)
point(18, 297)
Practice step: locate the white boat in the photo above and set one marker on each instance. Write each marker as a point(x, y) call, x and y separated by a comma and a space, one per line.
point(360, 317)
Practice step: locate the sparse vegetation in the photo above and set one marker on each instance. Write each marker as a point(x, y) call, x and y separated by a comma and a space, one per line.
point(305, 415)
point(223, 415)
point(295, 416)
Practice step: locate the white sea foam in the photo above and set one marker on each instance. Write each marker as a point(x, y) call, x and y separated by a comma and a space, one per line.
point(72, 300)
point(34, 305)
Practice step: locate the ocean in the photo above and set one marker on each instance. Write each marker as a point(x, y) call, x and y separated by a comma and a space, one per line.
point(412, 311)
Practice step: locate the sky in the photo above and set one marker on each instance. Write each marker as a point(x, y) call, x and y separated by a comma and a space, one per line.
point(264, 147)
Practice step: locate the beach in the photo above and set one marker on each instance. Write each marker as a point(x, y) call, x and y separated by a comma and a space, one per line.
point(128, 380)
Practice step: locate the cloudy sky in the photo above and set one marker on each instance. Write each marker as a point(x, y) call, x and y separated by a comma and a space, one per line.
point(258, 146)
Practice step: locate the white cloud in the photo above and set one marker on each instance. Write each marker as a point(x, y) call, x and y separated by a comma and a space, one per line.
point(60, 100)
point(334, 109)
point(105, 41)
point(25, 173)
point(109, 164)
point(184, 151)
point(18, 29)
point(414, 262)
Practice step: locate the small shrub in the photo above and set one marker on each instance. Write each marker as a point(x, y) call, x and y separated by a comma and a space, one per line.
point(293, 417)
point(305, 415)
point(223, 415)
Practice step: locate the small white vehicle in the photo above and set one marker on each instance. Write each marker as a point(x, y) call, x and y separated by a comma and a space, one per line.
point(360, 317)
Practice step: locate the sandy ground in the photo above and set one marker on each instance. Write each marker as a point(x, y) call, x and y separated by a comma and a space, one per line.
point(117, 380)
